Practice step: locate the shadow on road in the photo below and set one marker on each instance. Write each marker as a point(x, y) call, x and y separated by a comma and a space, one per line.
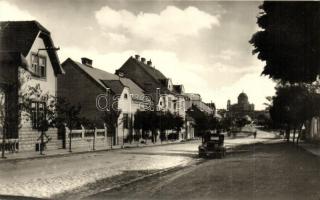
point(8, 197)
point(187, 154)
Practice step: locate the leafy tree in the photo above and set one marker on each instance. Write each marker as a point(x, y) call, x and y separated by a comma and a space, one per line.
point(3, 115)
point(137, 124)
point(226, 123)
point(242, 121)
point(292, 106)
point(289, 42)
point(214, 123)
point(178, 123)
point(164, 124)
point(110, 118)
point(69, 115)
point(91, 126)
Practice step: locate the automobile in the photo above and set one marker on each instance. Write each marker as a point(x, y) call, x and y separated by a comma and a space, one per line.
point(212, 146)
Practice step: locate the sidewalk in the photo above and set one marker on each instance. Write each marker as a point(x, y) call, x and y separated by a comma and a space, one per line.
point(80, 150)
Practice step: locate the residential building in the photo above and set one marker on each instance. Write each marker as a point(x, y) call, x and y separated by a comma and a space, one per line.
point(165, 95)
point(27, 50)
point(91, 88)
point(196, 100)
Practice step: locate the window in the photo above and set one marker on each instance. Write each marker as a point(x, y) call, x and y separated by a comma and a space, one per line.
point(125, 96)
point(37, 113)
point(38, 65)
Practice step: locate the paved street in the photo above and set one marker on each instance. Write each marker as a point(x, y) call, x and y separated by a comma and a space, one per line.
point(61, 177)
point(262, 171)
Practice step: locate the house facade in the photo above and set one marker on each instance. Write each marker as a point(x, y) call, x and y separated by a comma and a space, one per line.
point(28, 58)
point(97, 92)
point(193, 99)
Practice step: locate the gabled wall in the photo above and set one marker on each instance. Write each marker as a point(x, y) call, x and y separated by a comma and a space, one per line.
point(78, 88)
point(139, 76)
point(28, 137)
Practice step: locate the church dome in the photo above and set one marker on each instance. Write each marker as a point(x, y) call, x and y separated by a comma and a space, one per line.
point(243, 95)
point(243, 98)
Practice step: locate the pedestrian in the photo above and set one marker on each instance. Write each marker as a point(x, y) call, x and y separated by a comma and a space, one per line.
point(255, 134)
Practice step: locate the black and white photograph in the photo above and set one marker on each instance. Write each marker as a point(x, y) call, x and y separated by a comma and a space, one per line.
point(159, 100)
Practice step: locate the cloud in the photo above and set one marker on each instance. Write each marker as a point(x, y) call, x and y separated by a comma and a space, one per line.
point(165, 61)
point(188, 74)
point(10, 12)
point(169, 24)
point(117, 39)
point(109, 61)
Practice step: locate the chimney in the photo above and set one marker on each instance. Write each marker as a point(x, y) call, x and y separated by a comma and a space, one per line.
point(143, 60)
point(86, 61)
point(149, 63)
point(137, 57)
point(121, 74)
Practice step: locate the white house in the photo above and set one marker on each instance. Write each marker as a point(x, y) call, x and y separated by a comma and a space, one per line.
point(28, 56)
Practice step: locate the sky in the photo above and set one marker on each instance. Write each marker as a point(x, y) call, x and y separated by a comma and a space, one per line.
point(200, 44)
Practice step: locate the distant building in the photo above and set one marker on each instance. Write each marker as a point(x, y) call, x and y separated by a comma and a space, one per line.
point(193, 99)
point(165, 95)
point(242, 108)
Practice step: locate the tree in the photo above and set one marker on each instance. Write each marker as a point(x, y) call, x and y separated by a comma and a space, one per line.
point(91, 126)
point(226, 123)
point(178, 123)
point(214, 123)
point(292, 106)
point(289, 42)
point(68, 114)
point(137, 124)
point(46, 117)
point(3, 115)
point(110, 118)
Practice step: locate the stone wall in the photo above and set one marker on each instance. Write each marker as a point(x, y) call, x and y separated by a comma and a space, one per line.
point(29, 138)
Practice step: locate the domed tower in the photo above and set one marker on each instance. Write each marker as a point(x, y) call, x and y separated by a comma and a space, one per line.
point(243, 99)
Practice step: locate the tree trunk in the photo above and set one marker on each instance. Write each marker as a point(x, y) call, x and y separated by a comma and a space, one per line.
point(41, 143)
point(70, 139)
point(299, 134)
point(288, 134)
point(3, 141)
point(5, 126)
point(94, 140)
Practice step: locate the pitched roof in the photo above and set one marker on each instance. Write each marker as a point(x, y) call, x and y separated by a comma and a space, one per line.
point(19, 36)
point(153, 72)
point(115, 85)
point(108, 80)
point(134, 88)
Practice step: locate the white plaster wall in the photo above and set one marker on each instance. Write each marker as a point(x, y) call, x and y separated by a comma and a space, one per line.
point(49, 84)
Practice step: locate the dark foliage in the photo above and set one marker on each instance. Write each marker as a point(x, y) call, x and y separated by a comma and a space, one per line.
point(290, 42)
